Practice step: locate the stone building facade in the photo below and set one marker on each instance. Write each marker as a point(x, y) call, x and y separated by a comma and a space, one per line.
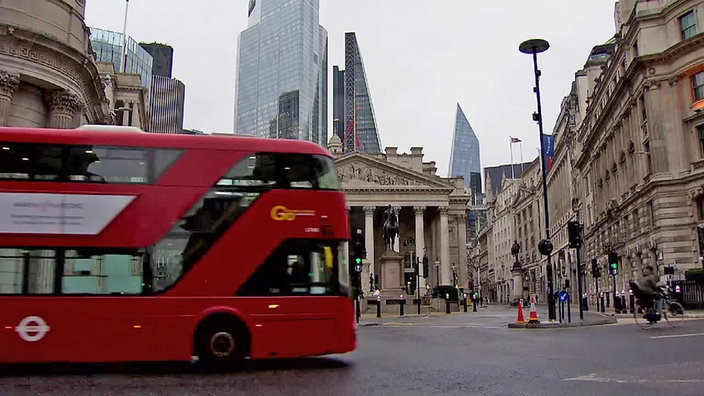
point(628, 164)
point(431, 212)
point(47, 74)
point(641, 170)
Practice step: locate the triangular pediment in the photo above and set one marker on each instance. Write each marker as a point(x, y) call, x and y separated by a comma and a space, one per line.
point(358, 171)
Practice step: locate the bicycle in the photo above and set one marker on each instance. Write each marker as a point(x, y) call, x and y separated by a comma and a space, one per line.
point(647, 313)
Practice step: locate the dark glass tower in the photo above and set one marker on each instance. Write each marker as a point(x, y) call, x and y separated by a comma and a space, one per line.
point(338, 102)
point(464, 157)
point(281, 84)
point(352, 104)
point(163, 56)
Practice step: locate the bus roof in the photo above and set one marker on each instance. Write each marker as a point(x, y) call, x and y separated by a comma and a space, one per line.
point(90, 135)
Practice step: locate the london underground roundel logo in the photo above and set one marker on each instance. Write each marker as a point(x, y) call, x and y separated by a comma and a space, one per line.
point(32, 328)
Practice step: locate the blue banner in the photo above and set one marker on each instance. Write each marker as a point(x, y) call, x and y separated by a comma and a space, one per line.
point(549, 145)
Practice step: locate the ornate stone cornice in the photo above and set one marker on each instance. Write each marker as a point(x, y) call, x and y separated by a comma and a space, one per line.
point(63, 101)
point(8, 83)
point(444, 210)
point(76, 68)
point(372, 175)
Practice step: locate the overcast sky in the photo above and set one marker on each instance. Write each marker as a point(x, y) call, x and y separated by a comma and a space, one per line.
point(421, 57)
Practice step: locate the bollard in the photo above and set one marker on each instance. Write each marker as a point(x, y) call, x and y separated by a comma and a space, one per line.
point(631, 301)
point(402, 303)
point(419, 303)
point(474, 305)
point(464, 302)
point(378, 307)
point(603, 307)
point(447, 303)
point(357, 308)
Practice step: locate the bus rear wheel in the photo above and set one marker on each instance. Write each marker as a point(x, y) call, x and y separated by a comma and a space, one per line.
point(221, 346)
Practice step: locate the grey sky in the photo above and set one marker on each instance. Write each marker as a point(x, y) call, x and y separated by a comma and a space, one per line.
point(420, 56)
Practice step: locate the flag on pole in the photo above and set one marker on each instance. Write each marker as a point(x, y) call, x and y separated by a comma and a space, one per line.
point(515, 139)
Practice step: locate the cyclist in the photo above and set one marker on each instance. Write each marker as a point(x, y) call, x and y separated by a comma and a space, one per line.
point(649, 286)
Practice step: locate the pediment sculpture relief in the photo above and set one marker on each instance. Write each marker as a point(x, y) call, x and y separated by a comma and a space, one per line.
point(372, 175)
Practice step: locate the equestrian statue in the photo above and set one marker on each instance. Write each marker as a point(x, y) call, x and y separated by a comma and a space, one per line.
point(390, 228)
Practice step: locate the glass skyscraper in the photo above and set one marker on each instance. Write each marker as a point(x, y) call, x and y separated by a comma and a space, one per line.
point(352, 105)
point(464, 157)
point(108, 48)
point(281, 85)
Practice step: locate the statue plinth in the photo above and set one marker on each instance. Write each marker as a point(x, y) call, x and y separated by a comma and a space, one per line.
point(391, 270)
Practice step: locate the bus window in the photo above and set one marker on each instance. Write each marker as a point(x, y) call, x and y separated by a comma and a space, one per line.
point(119, 165)
point(84, 163)
point(35, 271)
point(284, 171)
point(26, 271)
point(300, 267)
point(102, 273)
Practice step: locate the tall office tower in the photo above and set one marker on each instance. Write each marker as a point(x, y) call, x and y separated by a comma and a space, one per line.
point(464, 156)
point(168, 95)
point(166, 105)
point(338, 102)
point(163, 56)
point(281, 85)
point(358, 129)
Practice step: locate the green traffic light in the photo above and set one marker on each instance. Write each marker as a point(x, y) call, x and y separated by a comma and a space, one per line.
point(358, 260)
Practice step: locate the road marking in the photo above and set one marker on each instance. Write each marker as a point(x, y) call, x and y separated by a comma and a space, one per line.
point(677, 336)
point(593, 378)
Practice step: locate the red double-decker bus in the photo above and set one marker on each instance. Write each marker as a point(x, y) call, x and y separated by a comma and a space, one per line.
point(131, 246)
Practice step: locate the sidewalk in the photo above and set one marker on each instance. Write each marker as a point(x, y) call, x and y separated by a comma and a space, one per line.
point(590, 319)
point(369, 318)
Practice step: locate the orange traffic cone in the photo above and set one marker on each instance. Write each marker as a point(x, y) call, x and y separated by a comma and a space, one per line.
point(533, 317)
point(520, 312)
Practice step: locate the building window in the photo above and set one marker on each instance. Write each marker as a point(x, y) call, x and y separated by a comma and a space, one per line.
point(700, 134)
point(644, 112)
point(700, 206)
point(688, 24)
point(698, 86)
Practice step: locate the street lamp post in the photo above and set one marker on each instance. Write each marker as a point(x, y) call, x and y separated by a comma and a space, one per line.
point(534, 47)
point(437, 272)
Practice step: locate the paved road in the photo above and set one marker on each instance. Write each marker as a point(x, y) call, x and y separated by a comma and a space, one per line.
point(459, 354)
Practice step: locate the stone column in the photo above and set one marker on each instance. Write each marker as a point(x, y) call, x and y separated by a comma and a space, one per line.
point(369, 244)
point(445, 270)
point(462, 265)
point(63, 105)
point(8, 87)
point(420, 244)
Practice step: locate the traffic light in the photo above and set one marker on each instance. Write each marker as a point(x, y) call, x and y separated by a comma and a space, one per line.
point(426, 267)
point(613, 263)
point(669, 270)
point(574, 234)
point(596, 271)
point(357, 254)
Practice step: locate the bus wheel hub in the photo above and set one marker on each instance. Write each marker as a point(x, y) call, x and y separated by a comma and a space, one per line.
point(222, 344)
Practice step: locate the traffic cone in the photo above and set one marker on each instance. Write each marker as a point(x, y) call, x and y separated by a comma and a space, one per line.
point(533, 317)
point(520, 312)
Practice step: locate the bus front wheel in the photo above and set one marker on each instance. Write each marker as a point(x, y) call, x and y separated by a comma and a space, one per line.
point(221, 345)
